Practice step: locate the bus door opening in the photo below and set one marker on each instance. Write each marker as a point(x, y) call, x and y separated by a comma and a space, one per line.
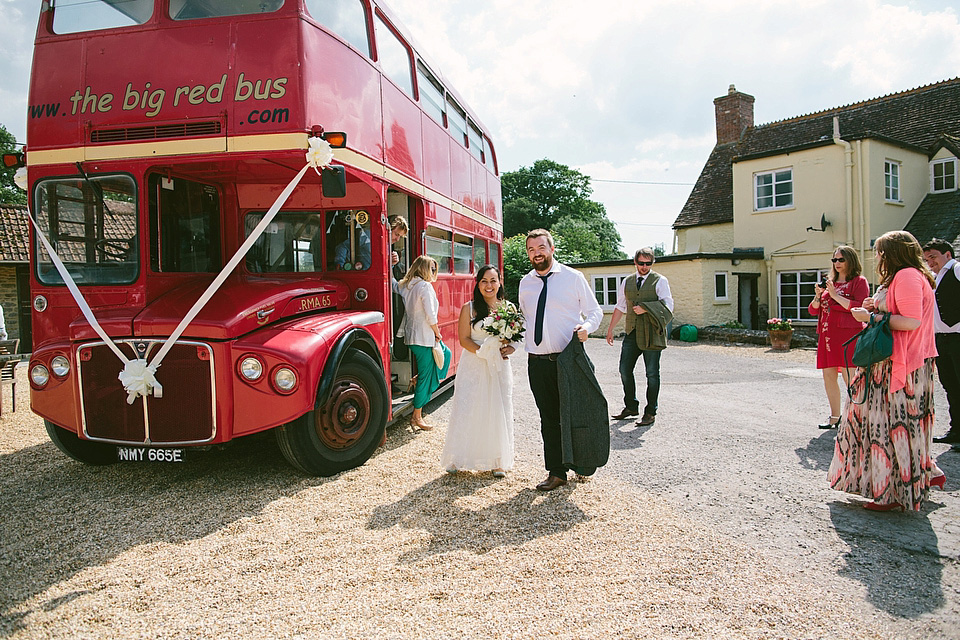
point(400, 216)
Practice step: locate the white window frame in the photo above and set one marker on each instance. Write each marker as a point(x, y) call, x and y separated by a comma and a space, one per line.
point(778, 189)
point(805, 281)
point(891, 180)
point(726, 286)
point(952, 175)
point(620, 277)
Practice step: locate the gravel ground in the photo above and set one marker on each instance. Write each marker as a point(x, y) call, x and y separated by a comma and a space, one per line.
point(233, 543)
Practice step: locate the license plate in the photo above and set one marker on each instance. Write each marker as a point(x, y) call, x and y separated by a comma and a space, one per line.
point(150, 454)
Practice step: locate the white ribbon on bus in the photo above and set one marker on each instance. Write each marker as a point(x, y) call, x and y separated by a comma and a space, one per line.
point(138, 376)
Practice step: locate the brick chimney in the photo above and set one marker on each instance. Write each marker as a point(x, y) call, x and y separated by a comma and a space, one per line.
point(734, 114)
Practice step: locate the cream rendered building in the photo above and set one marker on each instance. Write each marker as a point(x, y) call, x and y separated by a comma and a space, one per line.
point(782, 196)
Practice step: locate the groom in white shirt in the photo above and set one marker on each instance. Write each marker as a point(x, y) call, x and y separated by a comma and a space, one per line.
point(556, 302)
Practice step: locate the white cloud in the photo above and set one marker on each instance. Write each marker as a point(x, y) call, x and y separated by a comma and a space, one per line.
point(623, 89)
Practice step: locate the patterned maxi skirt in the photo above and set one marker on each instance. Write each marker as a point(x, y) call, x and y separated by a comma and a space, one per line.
point(882, 449)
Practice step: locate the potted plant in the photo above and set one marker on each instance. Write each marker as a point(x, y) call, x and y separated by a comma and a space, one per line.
point(780, 331)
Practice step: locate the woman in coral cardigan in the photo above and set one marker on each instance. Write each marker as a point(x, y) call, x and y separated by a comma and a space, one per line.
point(844, 290)
point(882, 449)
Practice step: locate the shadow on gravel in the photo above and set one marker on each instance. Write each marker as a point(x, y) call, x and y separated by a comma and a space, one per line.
point(60, 517)
point(436, 508)
point(818, 453)
point(894, 555)
point(625, 434)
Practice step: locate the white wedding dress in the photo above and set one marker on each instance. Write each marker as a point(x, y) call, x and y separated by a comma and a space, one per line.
point(480, 433)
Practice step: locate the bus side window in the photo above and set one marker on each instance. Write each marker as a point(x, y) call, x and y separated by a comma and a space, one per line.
point(393, 56)
point(348, 240)
point(440, 248)
point(479, 253)
point(346, 18)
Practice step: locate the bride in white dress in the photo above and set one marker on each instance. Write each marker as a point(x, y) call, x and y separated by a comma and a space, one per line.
point(480, 433)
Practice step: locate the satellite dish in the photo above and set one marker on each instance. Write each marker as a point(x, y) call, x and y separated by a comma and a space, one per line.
point(824, 223)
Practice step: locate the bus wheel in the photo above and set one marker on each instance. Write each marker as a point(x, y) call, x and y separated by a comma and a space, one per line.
point(81, 450)
point(345, 431)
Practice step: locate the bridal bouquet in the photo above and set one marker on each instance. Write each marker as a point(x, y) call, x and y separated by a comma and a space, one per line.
point(505, 322)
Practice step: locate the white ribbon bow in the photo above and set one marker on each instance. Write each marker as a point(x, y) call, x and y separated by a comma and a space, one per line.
point(138, 380)
point(320, 153)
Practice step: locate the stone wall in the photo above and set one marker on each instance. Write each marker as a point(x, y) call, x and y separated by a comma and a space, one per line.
point(8, 300)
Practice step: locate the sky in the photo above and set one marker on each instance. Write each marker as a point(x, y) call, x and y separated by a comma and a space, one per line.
point(623, 90)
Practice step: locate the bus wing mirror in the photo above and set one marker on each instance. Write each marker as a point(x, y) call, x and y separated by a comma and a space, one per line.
point(334, 181)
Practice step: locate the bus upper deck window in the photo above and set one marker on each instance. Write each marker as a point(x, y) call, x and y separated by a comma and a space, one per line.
point(74, 16)
point(346, 18)
point(194, 9)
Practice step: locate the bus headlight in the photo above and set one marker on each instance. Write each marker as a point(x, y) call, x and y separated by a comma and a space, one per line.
point(60, 366)
point(285, 379)
point(39, 375)
point(251, 368)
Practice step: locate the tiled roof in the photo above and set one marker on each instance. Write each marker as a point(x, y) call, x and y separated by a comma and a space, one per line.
point(14, 232)
point(916, 118)
point(938, 216)
point(711, 200)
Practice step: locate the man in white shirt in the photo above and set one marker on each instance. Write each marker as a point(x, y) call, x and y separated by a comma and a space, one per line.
point(938, 255)
point(647, 316)
point(557, 303)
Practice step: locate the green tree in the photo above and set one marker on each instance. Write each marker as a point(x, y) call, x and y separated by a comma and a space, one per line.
point(10, 193)
point(555, 189)
point(550, 194)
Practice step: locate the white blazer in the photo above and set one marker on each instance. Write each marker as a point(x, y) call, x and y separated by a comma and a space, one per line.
point(421, 305)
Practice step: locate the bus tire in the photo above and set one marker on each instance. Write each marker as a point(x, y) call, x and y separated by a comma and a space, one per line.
point(84, 451)
point(344, 431)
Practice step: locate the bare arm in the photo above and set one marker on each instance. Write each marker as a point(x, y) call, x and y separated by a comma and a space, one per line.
point(463, 330)
point(617, 314)
point(897, 322)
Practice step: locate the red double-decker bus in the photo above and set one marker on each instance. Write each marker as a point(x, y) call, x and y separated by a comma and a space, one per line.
point(160, 134)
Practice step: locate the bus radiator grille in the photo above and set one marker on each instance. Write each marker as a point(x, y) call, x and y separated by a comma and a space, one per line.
point(185, 414)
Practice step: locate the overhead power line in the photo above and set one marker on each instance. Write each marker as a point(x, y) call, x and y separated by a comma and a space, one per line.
point(677, 184)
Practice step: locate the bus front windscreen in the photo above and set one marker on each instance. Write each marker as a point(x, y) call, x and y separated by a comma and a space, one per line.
point(92, 225)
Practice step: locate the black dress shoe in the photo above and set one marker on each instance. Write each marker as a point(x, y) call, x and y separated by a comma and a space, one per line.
point(551, 483)
point(830, 424)
point(626, 413)
point(646, 420)
point(949, 438)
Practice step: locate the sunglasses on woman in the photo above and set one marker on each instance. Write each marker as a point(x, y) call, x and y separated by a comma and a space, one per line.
point(836, 260)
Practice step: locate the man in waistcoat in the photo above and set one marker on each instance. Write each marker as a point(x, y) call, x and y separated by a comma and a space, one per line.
point(938, 255)
point(644, 300)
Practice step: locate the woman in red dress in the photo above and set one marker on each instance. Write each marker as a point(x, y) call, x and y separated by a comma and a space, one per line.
point(845, 289)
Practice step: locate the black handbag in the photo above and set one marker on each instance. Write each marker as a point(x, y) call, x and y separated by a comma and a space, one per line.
point(874, 344)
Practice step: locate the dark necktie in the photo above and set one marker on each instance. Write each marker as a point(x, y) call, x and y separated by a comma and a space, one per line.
point(541, 304)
